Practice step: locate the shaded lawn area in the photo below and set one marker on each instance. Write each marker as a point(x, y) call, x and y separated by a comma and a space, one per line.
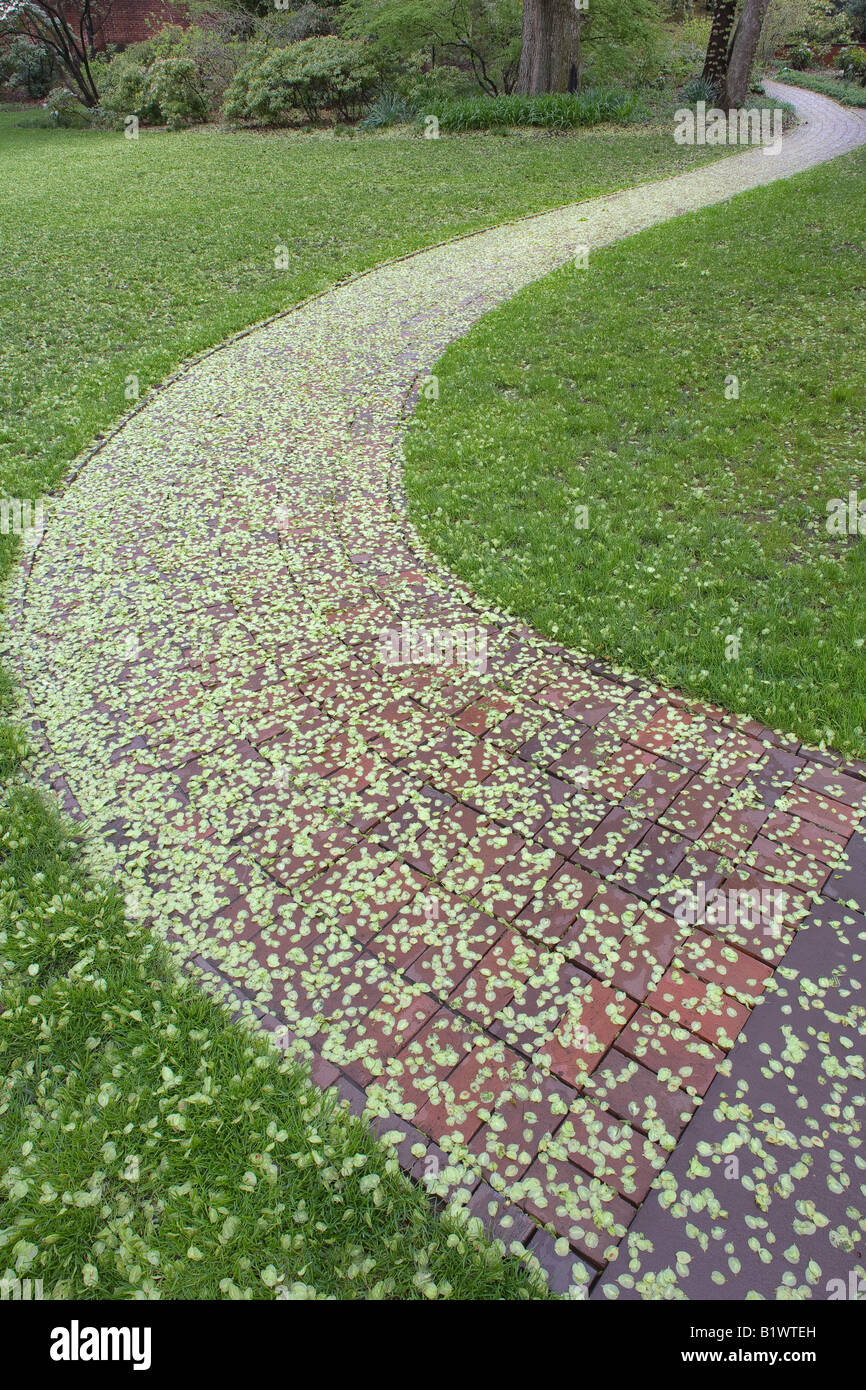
point(707, 515)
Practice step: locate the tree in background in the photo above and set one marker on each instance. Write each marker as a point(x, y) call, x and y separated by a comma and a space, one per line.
point(741, 54)
point(483, 35)
point(26, 65)
point(551, 58)
point(70, 36)
point(856, 11)
point(543, 50)
point(558, 33)
point(724, 13)
point(732, 46)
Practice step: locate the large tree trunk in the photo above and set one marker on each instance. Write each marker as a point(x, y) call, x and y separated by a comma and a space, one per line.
point(742, 53)
point(716, 61)
point(550, 60)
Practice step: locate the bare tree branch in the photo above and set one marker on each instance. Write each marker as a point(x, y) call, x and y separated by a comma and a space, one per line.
point(71, 39)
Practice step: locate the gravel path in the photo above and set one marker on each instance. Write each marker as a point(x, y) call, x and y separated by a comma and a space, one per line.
point(448, 881)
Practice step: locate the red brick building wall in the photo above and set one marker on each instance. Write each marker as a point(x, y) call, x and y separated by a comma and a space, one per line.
point(133, 20)
point(130, 21)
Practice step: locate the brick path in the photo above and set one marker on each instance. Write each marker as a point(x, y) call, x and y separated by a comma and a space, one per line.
point(456, 887)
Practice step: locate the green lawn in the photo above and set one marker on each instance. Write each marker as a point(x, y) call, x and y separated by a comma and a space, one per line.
point(125, 257)
point(707, 517)
point(148, 1145)
point(152, 1149)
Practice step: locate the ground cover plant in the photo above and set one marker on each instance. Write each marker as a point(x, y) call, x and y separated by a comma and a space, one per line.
point(678, 391)
point(849, 93)
point(559, 111)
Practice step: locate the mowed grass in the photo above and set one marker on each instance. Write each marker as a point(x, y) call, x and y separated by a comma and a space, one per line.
point(706, 562)
point(125, 257)
point(848, 93)
point(148, 1146)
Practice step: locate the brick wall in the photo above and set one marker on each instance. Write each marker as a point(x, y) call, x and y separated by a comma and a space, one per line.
point(129, 21)
point(133, 20)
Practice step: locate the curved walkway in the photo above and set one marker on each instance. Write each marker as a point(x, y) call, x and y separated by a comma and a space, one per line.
point(439, 855)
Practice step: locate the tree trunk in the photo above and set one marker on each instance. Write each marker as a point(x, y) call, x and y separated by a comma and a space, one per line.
point(550, 59)
point(742, 53)
point(716, 61)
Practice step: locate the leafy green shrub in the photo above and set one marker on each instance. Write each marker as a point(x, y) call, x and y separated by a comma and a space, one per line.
point(173, 78)
point(699, 89)
point(558, 111)
point(801, 57)
point(679, 55)
point(217, 56)
point(165, 92)
point(167, 42)
point(387, 110)
point(420, 84)
point(65, 110)
point(622, 45)
point(28, 65)
point(310, 76)
point(852, 61)
point(122, 83)
point(172, 90)
point(442, 83)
